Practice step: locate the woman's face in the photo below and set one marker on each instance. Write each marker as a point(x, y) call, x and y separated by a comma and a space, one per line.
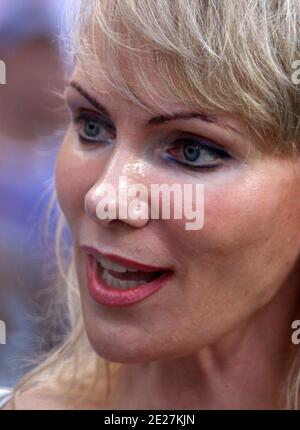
point(220, 274)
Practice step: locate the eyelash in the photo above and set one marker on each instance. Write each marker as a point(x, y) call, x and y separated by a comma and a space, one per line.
point(104, 124)
point(201, 144)
point(197, 142)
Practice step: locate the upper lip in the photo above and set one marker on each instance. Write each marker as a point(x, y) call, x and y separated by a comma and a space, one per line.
point(124, 261)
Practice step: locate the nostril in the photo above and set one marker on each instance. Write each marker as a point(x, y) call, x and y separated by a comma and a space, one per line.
point(98, 201)
point(105, 203)
point(89, 206)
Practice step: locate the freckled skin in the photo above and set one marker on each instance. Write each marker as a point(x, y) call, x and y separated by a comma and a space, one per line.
point(246, 253)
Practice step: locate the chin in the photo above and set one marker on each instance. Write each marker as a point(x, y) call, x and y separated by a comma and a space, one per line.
point(116, 345)
point(120, 352)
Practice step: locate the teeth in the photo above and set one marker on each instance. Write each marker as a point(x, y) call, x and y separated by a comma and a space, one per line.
point(109, 265)
point(118, 283)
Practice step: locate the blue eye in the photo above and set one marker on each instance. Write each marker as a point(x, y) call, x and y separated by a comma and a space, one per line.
point(93, 129)
point(194, 153)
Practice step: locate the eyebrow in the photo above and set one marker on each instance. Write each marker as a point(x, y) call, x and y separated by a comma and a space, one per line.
point(157, 120)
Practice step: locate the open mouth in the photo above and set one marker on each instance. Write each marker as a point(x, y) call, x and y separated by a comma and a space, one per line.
point(122, 277)
point(117, 282)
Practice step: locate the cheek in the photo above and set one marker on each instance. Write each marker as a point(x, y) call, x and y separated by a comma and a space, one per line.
point(73, 177)
point(259, 213)
point(250, 238)
point(258, 208)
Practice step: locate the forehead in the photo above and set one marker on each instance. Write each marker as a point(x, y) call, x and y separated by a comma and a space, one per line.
point(161, 109)
point(118, 73)
point(153, 99)
point(147, 84)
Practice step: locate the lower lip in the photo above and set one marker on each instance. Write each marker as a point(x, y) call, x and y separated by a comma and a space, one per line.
point(112, 297)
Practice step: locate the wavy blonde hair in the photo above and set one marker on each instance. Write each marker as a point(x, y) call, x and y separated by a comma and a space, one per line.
point(233, 56)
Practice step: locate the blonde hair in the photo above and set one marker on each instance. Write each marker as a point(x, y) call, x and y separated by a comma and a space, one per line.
point(232, 56)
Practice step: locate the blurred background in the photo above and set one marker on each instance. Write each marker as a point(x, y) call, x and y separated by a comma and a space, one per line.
point(32, 124)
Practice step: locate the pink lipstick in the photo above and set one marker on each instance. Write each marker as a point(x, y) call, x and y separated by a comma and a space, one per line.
point(115, 281)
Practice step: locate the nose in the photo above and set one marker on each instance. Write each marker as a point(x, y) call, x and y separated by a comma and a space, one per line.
point(120, 193)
